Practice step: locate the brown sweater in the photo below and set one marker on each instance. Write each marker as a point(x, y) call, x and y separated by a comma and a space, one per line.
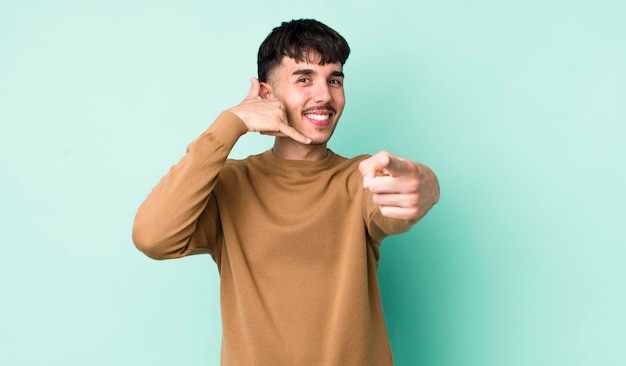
point(296, 244)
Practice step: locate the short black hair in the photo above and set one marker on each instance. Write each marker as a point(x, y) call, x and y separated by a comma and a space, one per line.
point(295, 39)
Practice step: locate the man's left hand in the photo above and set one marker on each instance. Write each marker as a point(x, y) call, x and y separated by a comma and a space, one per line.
point(401, 188)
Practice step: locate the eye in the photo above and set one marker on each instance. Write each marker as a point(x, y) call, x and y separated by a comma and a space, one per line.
point(336, 82)
point(303, 80)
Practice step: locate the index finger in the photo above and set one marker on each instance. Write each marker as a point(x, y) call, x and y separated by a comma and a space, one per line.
point(384, 163)
point(397, 166)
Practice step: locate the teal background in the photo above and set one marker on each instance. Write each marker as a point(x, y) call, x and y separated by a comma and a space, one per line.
point(519, 106)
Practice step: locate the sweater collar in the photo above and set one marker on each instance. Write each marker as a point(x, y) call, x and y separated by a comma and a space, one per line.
point(323, 164)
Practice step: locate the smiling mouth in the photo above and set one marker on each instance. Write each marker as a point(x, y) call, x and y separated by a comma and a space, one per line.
point(317, 117)
point(321, 120)
point(320, 115)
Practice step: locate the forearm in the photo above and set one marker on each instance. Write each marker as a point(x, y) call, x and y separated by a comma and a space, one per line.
point(166, 224)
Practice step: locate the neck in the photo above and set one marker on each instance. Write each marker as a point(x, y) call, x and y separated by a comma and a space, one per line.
point(288, 149)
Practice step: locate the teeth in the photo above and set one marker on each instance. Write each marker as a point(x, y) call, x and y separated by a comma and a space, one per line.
point(318, 117)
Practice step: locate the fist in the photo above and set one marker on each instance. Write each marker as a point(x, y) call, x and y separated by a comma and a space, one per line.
point(402, 189)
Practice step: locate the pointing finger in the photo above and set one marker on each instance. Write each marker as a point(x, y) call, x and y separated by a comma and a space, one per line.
point(384, 163)
point(369, 167)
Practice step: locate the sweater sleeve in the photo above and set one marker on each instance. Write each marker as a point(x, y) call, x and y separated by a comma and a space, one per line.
point(378, 226)
point(180, 217)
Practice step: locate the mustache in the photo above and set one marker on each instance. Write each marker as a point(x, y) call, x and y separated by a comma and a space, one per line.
point(326, 107)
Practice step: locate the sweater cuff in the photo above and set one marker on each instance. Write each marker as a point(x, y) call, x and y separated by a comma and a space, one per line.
point(227, 128)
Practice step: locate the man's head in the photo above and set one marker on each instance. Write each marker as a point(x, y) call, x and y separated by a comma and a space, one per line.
point(300, 40)
point(301, 64)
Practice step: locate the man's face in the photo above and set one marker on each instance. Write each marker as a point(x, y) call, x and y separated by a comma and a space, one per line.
point(312, 94)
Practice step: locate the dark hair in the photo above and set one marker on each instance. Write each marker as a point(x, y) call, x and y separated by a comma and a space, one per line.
point(295, 39)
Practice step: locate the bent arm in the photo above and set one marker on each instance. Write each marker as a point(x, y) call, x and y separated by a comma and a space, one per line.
point(179, 217)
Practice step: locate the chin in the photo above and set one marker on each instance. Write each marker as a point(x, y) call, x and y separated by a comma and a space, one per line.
point(318, 135)
point(318, 139)
point(319, 142)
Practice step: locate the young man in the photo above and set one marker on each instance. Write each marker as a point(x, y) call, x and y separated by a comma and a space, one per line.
point(295, 231)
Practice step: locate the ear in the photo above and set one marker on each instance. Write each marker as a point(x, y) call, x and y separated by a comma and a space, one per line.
point(265, 91)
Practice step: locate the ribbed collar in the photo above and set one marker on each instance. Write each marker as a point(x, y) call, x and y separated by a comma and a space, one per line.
point(300, 165)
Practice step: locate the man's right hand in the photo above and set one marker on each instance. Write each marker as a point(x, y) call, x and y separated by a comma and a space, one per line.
point(266, 116)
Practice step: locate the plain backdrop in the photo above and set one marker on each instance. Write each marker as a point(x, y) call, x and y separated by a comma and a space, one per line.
point(518, 106)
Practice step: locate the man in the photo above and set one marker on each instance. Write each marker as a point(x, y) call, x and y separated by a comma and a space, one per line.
point(295, 231)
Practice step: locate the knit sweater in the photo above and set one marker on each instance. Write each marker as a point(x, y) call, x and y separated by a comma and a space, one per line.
point(296, 244)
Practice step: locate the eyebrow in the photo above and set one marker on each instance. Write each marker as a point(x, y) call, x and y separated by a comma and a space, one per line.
point(309, 72)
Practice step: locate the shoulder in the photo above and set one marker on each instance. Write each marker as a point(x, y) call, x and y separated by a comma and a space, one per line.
point(347, 170)
point(350, 161)
point(239, 166)
point(349, 164)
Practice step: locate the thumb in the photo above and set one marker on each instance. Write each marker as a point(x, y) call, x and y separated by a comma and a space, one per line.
point(369, 168)
point(375, 164)
point(255, 87)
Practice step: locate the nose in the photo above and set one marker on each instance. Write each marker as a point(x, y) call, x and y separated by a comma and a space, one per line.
point(321, 93)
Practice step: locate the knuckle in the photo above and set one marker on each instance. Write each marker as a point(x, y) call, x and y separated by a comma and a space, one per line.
point(413, 200)
point(363, 165)
point(413, 213)
point(413, 186)
point(385, 211)
point(373, 186)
